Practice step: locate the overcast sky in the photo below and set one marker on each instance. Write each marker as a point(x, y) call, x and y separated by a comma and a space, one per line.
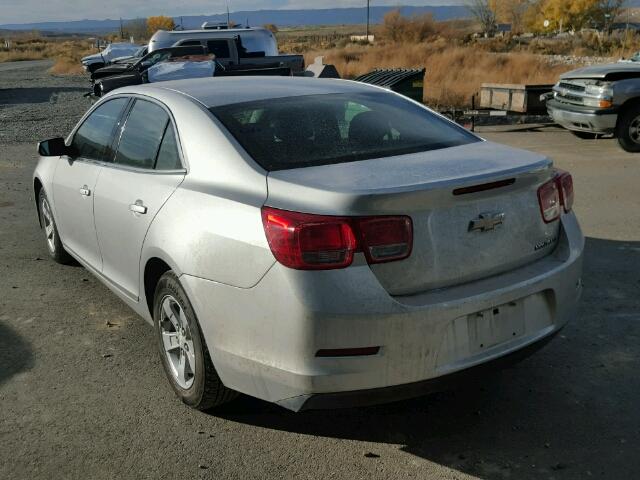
point(29, 11)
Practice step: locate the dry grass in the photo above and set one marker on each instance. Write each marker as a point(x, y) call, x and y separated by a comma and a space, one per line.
point(454, 73)
point(66, 53)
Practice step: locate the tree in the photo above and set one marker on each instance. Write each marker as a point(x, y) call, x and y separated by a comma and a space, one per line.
point(271, 27)
point(513, 12)
point(394, 25)
point(577, 14)
point(136, 28)
point(484, 13)
point(606, 11)
point(159, 23)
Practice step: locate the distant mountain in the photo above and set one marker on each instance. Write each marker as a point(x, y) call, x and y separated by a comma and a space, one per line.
point(328, 16)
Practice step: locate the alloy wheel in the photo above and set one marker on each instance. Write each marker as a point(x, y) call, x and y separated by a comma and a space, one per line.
point(49, 228)
point(177, 342)
point(634, 130)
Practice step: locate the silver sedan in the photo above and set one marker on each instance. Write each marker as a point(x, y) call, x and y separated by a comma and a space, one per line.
point(314, 243)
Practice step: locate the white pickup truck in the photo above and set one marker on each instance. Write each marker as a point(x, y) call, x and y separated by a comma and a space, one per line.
point(600, 99)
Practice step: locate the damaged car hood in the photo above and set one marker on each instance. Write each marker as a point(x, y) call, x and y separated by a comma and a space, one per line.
point(608, 71)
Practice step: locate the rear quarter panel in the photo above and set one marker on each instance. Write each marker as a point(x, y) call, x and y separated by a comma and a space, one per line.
point(211, 227)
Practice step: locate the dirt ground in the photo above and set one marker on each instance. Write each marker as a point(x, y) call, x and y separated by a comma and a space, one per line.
point(82, 393)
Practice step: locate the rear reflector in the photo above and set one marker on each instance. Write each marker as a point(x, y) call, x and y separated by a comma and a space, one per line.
point(549, 200)
point(348, 352)
point(319, 242)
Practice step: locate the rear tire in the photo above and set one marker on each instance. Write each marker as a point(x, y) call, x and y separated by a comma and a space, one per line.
point(183, 351)
point(52, 237)
point(584, 135)
point(628, 129)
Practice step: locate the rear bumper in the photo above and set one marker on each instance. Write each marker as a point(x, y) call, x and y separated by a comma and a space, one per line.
point(376, 396)
point(583, 120)
point(263, 340)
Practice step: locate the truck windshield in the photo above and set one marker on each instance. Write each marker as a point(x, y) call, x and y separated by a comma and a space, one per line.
point(311, 130)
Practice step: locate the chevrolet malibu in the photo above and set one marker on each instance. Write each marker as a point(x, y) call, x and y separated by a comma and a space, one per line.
point(313, 243)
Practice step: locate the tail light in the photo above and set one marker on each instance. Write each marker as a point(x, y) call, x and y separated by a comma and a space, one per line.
point(565, 183)
point(554, 195)
point(318, 242)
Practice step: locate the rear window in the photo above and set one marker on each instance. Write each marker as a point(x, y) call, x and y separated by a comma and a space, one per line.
point(304, 131)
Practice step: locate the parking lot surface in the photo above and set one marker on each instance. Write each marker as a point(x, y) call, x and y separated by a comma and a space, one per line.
point(83, 395)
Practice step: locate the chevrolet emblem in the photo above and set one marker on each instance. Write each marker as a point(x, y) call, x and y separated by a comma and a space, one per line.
point(486, 222)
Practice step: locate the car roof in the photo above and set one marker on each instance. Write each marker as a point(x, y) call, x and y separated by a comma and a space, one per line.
point(215, 92)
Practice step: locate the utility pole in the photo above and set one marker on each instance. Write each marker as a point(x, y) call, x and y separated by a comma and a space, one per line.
point(228, 18)
point(121, 29)
point(368, 2)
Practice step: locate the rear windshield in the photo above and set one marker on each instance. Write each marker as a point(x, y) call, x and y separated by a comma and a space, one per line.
point(304, 131)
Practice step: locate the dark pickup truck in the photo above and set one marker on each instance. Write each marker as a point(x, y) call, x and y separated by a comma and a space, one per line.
point(229, 53)
point(120, 75)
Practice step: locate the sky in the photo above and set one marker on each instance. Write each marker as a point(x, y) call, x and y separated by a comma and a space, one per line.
point(30, 11)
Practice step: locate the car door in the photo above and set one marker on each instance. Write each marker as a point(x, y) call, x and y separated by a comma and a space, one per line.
point(75, 179)
point(145, 171)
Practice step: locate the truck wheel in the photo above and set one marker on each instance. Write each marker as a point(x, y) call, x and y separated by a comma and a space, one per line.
point(628, 129)
point(183, 351)
point(584, 135)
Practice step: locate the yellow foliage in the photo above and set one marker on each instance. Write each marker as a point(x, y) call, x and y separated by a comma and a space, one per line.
point(159, 23)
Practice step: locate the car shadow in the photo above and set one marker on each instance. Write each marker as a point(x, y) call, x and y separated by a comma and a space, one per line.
point(569, 411)
point(18, 96)
point(15, 353)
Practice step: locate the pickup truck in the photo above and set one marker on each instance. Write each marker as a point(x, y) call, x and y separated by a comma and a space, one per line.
point(600, 100)
point(117, 76)
point(230, 51)
point(114, 50)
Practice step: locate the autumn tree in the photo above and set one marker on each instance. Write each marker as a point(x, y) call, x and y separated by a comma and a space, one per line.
point(513, 12)
point(577, 14)
point(159, 23)
point(271, 27)
point(416, 28)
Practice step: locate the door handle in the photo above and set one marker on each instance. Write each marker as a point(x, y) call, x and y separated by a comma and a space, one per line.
point(84, 191)
point(138, 207)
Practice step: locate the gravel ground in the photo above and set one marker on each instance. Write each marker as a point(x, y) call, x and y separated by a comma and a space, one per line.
point(35, 105)
point(82, 393)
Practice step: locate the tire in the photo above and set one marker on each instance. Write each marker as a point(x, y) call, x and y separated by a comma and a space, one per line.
point(628, 129)
point(51, 235)
point(584, 135)
point(180, 342)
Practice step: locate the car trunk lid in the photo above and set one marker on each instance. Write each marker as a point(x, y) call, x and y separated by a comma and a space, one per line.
point(474, 209)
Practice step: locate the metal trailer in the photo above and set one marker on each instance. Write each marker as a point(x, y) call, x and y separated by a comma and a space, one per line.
point(514, 98)
point(505, 100)
point(406, 81)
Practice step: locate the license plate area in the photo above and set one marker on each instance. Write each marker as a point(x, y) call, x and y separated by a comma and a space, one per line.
point(496, 325)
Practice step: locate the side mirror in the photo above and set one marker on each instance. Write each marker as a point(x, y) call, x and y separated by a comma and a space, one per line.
point(54, 147)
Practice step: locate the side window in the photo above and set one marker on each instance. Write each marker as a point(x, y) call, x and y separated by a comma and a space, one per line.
point(168, 157)
point(190, 43)
point(142, 134)
point(220, 48)
point(94, 137)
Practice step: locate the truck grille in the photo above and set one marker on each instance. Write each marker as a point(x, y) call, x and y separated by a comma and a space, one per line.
point(572, 86)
